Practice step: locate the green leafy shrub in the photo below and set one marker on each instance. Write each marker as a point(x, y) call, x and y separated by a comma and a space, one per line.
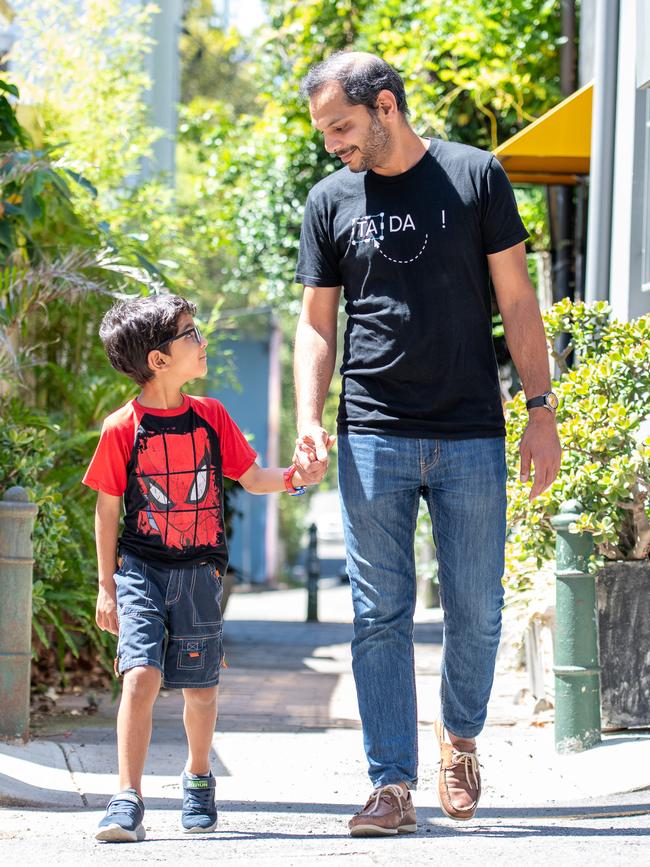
point(58, 274)
point(604, 400)
point(63, 597)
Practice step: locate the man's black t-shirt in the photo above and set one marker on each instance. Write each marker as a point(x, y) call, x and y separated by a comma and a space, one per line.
point(410, 252)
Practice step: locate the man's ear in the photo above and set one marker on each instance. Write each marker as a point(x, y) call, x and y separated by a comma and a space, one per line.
point(157, 360)
point(386, 103)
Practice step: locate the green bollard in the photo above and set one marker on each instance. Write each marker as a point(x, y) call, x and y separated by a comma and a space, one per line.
point(577, 684)
point(17, 516)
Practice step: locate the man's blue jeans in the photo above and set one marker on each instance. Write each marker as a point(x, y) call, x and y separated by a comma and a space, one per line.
point(381, 480)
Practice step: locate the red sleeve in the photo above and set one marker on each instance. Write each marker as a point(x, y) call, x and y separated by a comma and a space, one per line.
point(107, 469)
point(237, 456)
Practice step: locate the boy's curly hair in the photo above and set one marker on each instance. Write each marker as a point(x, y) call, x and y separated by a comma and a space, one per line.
point(131, 329)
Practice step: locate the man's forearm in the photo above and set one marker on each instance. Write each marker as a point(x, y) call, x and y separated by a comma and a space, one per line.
point(314, 359)
point(526, 341)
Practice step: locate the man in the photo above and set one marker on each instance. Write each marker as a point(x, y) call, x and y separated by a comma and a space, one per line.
point(413, 229)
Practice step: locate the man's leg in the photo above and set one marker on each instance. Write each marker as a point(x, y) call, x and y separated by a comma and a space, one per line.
point(466, 497)
point(134, 720)
point(379, 483)
point(199, 719)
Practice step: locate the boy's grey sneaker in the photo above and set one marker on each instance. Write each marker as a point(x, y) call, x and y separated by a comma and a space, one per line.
point(199, 809)
point(123, 820)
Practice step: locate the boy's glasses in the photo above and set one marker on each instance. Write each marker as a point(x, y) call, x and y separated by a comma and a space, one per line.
point(194, 331)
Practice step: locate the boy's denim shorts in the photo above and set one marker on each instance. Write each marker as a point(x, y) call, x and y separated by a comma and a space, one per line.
point(170, 618)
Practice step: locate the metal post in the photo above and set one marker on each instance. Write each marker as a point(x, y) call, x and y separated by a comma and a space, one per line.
point(313, 574)
point(577, 685)
point(17, 516)
point(601, 168)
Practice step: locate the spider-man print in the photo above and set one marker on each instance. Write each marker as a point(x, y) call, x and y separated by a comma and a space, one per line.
point(176, 476)
point(168, 466)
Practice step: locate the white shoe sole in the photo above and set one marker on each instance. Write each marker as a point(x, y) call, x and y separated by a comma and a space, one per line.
point(207, 830)
point(377, 831)
point(456, 818)
point(117, 834)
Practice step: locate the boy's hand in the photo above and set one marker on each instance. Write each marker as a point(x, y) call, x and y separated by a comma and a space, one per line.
point(106, 611)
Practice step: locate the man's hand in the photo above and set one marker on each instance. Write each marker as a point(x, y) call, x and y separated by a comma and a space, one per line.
point(312, 445)
point(541, 445)
point(106, 611)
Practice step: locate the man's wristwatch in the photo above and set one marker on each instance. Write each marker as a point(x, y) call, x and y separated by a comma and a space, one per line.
point(288, 484)
point(548, 400)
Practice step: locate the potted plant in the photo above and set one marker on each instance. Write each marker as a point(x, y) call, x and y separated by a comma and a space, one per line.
point(603, 423)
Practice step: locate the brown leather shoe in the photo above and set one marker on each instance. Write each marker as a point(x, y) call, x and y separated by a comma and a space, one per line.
point(459, 779)
point(388, 811)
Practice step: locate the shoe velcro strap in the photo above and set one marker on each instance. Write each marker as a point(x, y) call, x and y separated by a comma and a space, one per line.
point(191, 783)
point(126, 796)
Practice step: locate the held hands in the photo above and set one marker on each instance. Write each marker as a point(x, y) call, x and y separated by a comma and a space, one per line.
point(312, 445)
point(541, 446)
point(106, 610)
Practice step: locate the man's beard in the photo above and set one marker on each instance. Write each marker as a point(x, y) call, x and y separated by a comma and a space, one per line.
point(376, 146)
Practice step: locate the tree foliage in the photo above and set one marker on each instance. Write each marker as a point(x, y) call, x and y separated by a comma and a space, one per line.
point(81, 218)
point(474, 72)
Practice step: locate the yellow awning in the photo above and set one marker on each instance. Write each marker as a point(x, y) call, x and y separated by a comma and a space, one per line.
point(555, 148)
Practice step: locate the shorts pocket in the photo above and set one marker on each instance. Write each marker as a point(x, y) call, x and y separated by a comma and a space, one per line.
point(191, 654)
point(206, 592)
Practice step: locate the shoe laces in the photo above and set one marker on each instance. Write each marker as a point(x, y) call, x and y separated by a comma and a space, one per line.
point(198, 800)
point(383, 794)
point(471, 764)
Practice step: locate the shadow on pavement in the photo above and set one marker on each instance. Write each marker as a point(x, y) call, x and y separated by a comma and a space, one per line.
point(279, 644)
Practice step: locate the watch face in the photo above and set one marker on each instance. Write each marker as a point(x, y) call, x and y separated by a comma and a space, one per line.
point(552, 400)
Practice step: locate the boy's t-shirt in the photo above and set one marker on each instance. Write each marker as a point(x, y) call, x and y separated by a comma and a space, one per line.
point(169, 467)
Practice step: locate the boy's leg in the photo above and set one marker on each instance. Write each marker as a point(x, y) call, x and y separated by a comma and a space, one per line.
point(199, 813)
point(134, 721)
point(199, 719)
point(123, 821)
point(192, 662)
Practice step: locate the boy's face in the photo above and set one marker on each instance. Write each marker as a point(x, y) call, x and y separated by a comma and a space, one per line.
point(187, 358)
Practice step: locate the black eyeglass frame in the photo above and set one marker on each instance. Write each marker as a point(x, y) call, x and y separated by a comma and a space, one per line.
point(194, 329)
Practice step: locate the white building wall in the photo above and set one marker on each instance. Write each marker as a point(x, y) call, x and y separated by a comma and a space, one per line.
point(631, 190)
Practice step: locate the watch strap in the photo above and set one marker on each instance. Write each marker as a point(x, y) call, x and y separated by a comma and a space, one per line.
point(548, 400)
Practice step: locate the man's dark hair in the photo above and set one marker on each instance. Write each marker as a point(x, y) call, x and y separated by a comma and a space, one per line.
point(361, 76)
point(131, 329)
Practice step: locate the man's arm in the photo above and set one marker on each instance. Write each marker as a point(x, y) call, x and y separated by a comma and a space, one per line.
point(107, 521)
point(314, 359)
point(526, 341)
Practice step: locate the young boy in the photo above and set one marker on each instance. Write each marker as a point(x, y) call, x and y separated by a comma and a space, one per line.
point(163, 454)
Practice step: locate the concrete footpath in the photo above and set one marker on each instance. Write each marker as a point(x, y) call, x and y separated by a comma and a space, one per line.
point(290, 768)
